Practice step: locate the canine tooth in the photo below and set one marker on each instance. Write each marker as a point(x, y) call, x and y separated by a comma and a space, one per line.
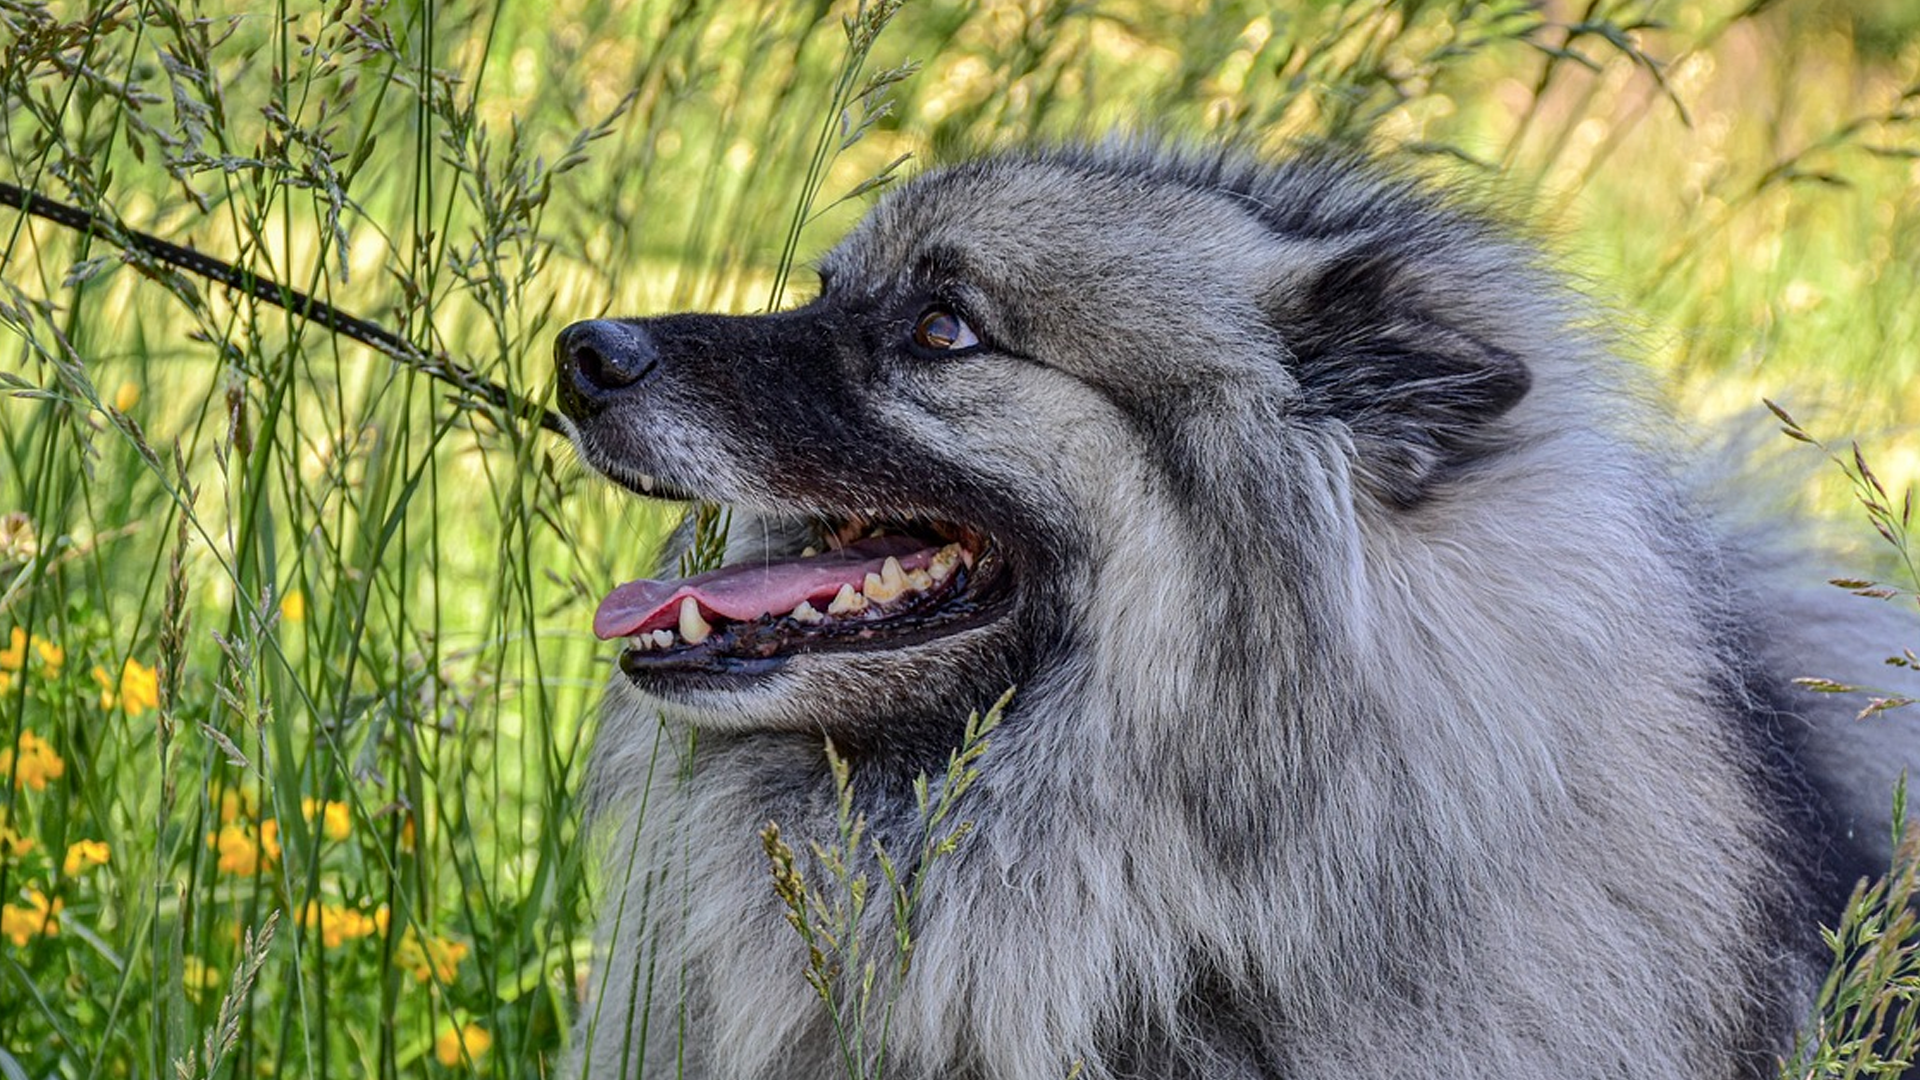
point(805, 612)
point(646, 483)
point(945, 562)
point(846, 602)
point(919, 580)
point(663, 638)
point(692, 627)
point(809, 551)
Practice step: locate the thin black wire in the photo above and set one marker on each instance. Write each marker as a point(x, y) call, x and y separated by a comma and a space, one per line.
point(272, 292)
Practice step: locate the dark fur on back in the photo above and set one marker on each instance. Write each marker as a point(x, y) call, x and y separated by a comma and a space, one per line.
point(1388, 704)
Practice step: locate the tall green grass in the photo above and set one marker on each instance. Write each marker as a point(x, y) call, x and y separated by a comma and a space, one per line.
point(300, 636)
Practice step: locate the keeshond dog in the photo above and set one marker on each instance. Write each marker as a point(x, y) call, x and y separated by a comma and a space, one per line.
point(1387, 701)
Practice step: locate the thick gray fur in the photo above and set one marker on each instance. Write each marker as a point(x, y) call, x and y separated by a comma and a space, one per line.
point(1392, 704)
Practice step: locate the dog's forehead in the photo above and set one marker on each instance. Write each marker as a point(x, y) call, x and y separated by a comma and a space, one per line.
point(1018, 218)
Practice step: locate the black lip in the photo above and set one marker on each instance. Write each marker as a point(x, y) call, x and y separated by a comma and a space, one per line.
point(607, 448)
point(665, 490)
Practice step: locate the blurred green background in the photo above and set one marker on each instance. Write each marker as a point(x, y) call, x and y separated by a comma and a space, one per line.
point(294, 644)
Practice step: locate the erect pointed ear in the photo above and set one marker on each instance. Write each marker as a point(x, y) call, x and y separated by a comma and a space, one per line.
point(1393, 343)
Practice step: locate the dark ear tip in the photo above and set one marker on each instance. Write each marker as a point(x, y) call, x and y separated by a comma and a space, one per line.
point(1382, 341)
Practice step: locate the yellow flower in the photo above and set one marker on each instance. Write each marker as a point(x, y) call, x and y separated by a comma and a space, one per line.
point(241, 853)
point(126, 397)
point(336, 817)
point(293, 607)
point(51, 655)
point(438, 958)
point(139, 688)
point(270, 839)
point(83, 855)
point(465, 1043)
point(20, 924)
point(12, 844)
point(236, 803)
point(338, 923)
point(32, 763)
point(14, 656)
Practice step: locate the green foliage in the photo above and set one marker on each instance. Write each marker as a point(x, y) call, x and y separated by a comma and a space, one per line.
point(1867, 1020)
point(858, 990)
point(301, 639)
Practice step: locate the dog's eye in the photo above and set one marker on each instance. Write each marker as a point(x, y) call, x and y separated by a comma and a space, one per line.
point(940, 330)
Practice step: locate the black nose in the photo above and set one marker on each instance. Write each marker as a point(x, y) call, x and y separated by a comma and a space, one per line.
point(600, 356)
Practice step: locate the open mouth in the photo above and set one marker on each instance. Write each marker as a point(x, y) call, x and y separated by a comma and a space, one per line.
point(862, 584)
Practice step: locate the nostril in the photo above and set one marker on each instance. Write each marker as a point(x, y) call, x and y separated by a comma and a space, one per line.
point(603, 354)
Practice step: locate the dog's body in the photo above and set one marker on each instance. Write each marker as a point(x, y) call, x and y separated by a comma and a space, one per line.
point(1387, 706)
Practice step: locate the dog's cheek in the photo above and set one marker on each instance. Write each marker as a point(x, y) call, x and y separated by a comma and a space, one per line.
point(1040, 435)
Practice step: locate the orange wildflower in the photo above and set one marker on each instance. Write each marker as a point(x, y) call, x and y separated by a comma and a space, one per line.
point(32, 762)
point(465, 1043)
point(14, 656)
point(436, 958)
point(20, 924)
point(243, 853)
point(336, 818)
point(82, 855)
point(138, 689)
point(338, 923)
point(12, 844)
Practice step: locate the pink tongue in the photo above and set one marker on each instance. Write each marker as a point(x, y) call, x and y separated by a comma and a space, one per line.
point(752, 590)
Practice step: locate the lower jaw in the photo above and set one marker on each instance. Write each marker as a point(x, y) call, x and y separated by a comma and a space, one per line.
point(713, 691)
point(710, 669)
point(644, 669)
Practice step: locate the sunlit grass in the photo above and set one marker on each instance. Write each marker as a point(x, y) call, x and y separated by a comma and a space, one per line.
point(295, 684)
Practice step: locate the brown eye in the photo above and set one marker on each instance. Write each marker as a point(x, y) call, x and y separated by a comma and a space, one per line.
point(940, 330)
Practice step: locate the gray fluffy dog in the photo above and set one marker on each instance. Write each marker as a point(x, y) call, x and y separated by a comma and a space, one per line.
point(1388, 704)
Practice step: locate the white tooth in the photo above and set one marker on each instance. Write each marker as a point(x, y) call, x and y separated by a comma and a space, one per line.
point(643, 642)
point(663, 638)
point(846, 601)
point(692, 627)
point(945, 562)
point(646, 483)
point(809, 551)
point(804, 612)
point(892, 574)
point(919, 580)
point(966, 558)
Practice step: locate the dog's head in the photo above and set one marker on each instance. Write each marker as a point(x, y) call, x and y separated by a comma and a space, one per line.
point(1010, 365)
